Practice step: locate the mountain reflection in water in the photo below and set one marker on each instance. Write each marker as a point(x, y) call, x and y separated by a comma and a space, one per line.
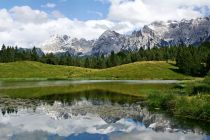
point(89, 115)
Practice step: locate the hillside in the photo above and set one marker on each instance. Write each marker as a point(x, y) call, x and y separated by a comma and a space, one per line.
point(138, 70)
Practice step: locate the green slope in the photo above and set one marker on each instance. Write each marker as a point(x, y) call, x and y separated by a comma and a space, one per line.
point(138, 70)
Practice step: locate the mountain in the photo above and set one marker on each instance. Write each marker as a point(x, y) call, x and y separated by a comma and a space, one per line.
point(107, 42)
point(158, 33)
point(65, 44)
point(171, 33)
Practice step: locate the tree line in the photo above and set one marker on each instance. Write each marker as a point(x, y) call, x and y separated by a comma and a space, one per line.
point(192, 60)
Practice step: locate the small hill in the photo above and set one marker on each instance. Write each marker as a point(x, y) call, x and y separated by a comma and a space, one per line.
point(138, 70)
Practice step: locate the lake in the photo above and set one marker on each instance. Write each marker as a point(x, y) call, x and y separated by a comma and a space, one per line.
point(89, 110)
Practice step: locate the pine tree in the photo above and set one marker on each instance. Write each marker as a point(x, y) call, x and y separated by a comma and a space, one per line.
point(3, 54)
point(208, 63)
point(113, 59)
point(87, 63)
point(34, 55)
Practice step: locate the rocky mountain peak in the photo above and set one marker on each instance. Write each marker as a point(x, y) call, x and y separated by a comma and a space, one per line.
point(66, 37)
point(107, 42)
point(137, 33)
point(109, 33)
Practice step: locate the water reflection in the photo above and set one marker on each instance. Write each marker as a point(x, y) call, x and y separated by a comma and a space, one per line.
point(89, 115)
point(30, 84)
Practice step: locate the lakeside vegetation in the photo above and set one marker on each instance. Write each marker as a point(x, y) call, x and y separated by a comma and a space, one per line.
point(192, 101)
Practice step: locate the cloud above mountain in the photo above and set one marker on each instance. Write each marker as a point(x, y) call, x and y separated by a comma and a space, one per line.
point(28, 27)
point(146, 11)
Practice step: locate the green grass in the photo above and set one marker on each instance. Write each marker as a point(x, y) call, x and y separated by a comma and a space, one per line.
point(36, 70)
point(190, 100)
point(207, 78)
point(194, 107)
point(139, 70)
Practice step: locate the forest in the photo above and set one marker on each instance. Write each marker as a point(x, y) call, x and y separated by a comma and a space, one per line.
point(191, 60)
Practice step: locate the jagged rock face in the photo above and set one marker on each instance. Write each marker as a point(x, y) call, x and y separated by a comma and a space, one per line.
point(82, 45)
point(141, 39)
point(159, 33)
point(107, 42)
point(171, 33)
point(188, 32)
point(65, 44)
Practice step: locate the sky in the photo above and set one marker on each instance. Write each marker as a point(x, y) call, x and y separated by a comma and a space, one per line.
point(29, 23)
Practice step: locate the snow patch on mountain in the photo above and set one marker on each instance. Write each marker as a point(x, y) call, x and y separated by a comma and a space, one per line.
point(64, 43)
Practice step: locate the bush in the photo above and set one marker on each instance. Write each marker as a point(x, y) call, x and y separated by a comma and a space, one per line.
point(207, 79)
point(161, 100)
point(194, 107)
point(200, 89)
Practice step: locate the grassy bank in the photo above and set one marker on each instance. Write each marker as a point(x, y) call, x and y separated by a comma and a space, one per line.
point(139, 70)
point(192, 101)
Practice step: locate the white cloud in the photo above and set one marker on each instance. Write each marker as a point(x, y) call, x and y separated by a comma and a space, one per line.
point(146, 11)
point(57, 14)
point(25, 14)
point(5, 20)
point(49, 5)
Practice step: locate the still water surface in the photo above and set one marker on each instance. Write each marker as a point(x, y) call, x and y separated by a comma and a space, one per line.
point(91, 115)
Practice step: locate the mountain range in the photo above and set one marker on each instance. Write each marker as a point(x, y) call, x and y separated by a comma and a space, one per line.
point(156, 34)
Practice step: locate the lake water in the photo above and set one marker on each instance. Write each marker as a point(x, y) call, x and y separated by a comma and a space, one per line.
point(91, 114)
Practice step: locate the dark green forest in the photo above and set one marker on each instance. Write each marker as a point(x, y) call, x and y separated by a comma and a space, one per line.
point(191, 60)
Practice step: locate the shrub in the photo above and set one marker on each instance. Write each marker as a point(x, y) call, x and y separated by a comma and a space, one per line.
point(162, 100)
point(200, 89)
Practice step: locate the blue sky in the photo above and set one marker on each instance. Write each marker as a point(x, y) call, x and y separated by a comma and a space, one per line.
point(74, 9)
